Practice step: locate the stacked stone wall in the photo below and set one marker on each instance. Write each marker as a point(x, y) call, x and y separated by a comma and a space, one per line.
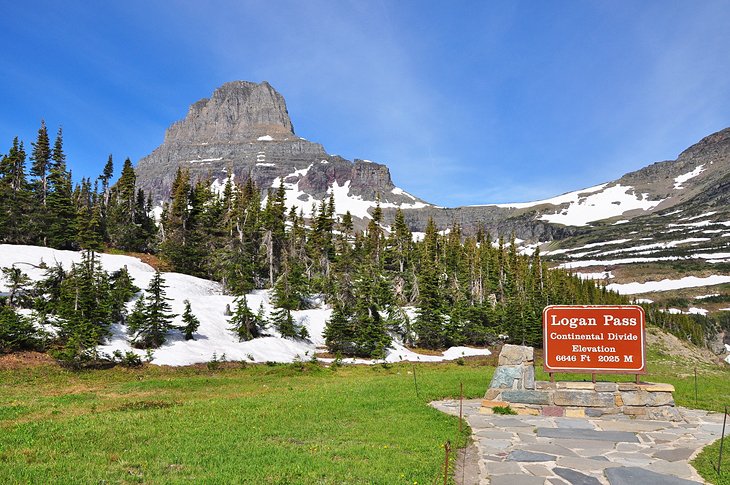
point(514, 385)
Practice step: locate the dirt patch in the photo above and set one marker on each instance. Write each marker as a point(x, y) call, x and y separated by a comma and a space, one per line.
point(672, 345)
point(20, 360)
point(150, 259)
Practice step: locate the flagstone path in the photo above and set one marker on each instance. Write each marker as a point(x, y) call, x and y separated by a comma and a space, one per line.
point(615, 450)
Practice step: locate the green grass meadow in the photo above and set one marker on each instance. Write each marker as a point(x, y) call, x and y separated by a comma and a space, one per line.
point(259, 424)
point(284, 424)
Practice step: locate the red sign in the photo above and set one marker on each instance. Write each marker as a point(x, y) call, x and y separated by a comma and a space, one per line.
point(594, 338)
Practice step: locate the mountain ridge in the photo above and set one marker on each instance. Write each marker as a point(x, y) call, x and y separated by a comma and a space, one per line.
point(243, 129)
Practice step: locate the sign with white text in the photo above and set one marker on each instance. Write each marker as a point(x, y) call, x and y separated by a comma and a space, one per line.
point(594, 338)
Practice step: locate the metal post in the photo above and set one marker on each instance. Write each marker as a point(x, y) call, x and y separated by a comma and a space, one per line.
point(447, 449)
point(552, 379)
point(461, 406)
point(593, 377)
point(695, 386)
point(637, 379)
point(415, 381)
point(722, 441)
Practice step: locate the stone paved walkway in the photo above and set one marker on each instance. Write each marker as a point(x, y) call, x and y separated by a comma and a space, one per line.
point(616, 450)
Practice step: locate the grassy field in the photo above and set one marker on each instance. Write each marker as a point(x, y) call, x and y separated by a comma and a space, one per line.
point(288, 424)
point(706, 463)
point(259, 424)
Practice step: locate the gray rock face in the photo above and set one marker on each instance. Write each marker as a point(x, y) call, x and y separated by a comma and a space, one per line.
point(244, 129)
point(238, 111)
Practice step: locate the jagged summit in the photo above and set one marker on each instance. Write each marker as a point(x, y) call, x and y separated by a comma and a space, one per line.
point(237, 111)
point(243, 129)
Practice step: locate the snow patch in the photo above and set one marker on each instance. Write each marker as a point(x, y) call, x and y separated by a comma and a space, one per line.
point(561, 199)
point(609, 202)
point(645, 301)
point(219, 186)
point(667, 284)
point(204, 160)
point(588, 246)
point(678, 181)
point(595, 276)
point(265, 138)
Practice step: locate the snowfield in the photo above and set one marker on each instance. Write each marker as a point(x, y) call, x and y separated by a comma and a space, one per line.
point(591, 204)
point(678, 181)
point(666, 285)
point(209, 304)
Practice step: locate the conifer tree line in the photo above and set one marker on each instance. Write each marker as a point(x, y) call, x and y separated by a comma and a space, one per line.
point(40, 205)
point(460, 289)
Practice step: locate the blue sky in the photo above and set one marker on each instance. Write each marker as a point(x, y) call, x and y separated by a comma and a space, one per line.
point(466, 102)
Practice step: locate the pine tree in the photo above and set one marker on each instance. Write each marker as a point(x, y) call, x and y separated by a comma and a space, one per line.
point(41, 158)
point(122, 290)
point(175, 222)
point(430, 318)
point(59, 200)
point(18, 284)
point(105, 177)
point(289, 295)
point(360, 329)
point(15, 200)
point(16, 332)
point(128, 223)
point(151, 320)
point(190, 322)
point(339, 332)
point(84, 302)
point(244, 323)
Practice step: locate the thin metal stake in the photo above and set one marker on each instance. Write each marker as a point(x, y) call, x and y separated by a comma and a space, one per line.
point(447, 449)
point(695, 386)
point(415, 381)
point(722, 441)
point(461, 406)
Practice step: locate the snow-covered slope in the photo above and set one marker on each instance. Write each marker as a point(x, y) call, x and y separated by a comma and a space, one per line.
point(209, 304)
point(588, 205)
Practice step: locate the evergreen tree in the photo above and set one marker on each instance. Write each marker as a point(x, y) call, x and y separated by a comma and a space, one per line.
point(15, 202)
point(151, 319)
point(175, 245)
point(59, 200)
point(83, 303)
point(41, 157)
point(244, 323)
point(339, 332)
point(16, 332)
point(128, 223)
point(122, 290)
point(361, 330)
point(18, 284)
point(289, 295)
point(430, 318)
point(190, 322)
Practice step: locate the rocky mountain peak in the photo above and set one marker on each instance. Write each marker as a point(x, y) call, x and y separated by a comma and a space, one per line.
point(243, 130)
point(237, 111)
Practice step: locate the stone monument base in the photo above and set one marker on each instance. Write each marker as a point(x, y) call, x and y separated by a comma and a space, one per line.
point(587, 399)
point(513, 384)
